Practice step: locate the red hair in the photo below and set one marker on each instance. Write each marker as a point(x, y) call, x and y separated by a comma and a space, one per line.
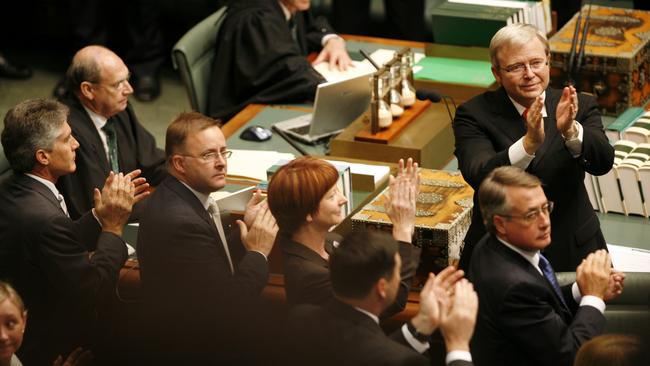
point(296, 190)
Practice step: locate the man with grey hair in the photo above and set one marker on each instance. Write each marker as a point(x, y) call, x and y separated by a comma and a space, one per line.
point(525, 317)
point(44, 253)
point(556, 135)
point(110, 135)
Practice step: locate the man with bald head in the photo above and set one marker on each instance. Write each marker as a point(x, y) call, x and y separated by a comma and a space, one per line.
point(110, 136)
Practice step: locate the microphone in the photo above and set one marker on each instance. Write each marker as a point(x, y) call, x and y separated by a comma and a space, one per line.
point(430, 94)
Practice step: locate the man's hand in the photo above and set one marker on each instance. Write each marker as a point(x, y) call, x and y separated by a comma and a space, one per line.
point(114, 203)
point(566, 112)
point(534, 127)
point(334, 52)
point(593, 274)
point(78, 357)
point(260, 236)
point(253, 206)
point(436, 293)
point(615, 287)
point(142, 188)
point(457, 321)
point(401, 199)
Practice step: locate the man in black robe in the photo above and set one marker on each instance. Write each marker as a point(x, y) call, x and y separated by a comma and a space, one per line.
point(261, 54)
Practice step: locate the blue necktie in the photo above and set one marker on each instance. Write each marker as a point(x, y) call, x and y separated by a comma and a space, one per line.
point(547, 270)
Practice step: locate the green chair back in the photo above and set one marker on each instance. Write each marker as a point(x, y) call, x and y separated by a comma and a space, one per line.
point(193, 55)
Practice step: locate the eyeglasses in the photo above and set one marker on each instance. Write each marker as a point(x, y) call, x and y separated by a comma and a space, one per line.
point(520, 69)
point(212, 156)
point(119, 86)
point(533, 215)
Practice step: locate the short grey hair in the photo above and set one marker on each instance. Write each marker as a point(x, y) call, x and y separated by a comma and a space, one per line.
point(516, 35)
point(492, 196)
point(82, 69)
point(30, 126)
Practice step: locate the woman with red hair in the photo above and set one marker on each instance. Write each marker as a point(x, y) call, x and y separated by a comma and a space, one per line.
point(306, 203)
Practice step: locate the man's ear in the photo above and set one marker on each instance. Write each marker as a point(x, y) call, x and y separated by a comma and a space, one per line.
point(496, 74)
point(177, 163)
point(381, 287)
point(86, 89)
point(42, 157)
point(499, 224)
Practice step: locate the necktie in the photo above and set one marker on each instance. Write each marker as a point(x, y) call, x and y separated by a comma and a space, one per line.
point(525, 114)
point(213, 209)
point(293, 27)
point(111, 141)
point(59, 197)
point(547, 270)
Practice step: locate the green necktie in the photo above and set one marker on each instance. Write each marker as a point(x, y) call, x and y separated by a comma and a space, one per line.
point(111, 141)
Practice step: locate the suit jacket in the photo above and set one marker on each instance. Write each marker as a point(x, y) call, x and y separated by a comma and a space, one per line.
point(338, 334)
point(487, 125)
point(136, 148)
point(258, 61)
point(307, 274)
point(184, 269)
point(44, 254)
point(521, 320)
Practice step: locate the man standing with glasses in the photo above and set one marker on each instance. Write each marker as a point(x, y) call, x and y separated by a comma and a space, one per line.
point(197, 277)
point(525, 317)
point(110, 136)
point(556, 135)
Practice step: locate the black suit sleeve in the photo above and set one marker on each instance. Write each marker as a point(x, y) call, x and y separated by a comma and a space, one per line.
point(475, 151)
point(149, 158)
point(597, 155)
point(540, 330)
point(410, 255)
point(67, 263)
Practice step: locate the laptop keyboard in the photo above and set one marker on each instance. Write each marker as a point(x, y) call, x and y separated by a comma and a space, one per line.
point(302, 130)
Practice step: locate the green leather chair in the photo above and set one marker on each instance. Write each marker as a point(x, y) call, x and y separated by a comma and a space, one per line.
point(192, 56)
point(630, 312)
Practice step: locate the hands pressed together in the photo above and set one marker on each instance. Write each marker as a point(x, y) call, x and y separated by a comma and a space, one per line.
point(596, 277)
point(114, 203)
point(400, 203)
point(258, 230)
point(448, 301)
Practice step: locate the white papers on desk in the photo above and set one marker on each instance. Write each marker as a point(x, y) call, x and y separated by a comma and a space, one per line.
point(628, 259)
point(366, 177)
point(380, 56)
point(253, 164)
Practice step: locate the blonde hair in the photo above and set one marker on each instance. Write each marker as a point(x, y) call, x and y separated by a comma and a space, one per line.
point(516, 35)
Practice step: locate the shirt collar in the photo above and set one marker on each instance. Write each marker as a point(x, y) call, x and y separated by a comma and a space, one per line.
point(371, 315)
point(531, 256)
point(203, 198)
point(47, 183)
point(521, 108)
point(98, 120)
point(287, 13)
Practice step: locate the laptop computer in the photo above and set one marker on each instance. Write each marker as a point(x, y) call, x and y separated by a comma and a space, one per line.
point(336, 105)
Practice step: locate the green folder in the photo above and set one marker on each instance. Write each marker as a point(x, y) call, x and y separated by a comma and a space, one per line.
point(456, 71)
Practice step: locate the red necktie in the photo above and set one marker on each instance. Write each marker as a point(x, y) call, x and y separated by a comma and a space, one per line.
point(525, 114)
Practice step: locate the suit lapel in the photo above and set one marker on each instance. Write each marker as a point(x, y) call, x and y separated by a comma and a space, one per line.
point(506, 117)
point(33, 185)
point(352, 315)
point(514, 257)
point(88, 134)
point(189, 197)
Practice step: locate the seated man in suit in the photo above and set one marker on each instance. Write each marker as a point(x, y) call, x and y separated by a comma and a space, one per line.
point(192, 262)
point(110, 135)
point(365, 276)
point(261, 54)
point(558, 139)
point(525, 318)
point(43, 252)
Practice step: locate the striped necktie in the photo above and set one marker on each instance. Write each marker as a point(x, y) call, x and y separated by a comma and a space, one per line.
point(547, 270)
point(111, 141)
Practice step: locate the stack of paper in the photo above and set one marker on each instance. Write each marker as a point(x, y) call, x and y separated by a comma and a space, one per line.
point(252, 164)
